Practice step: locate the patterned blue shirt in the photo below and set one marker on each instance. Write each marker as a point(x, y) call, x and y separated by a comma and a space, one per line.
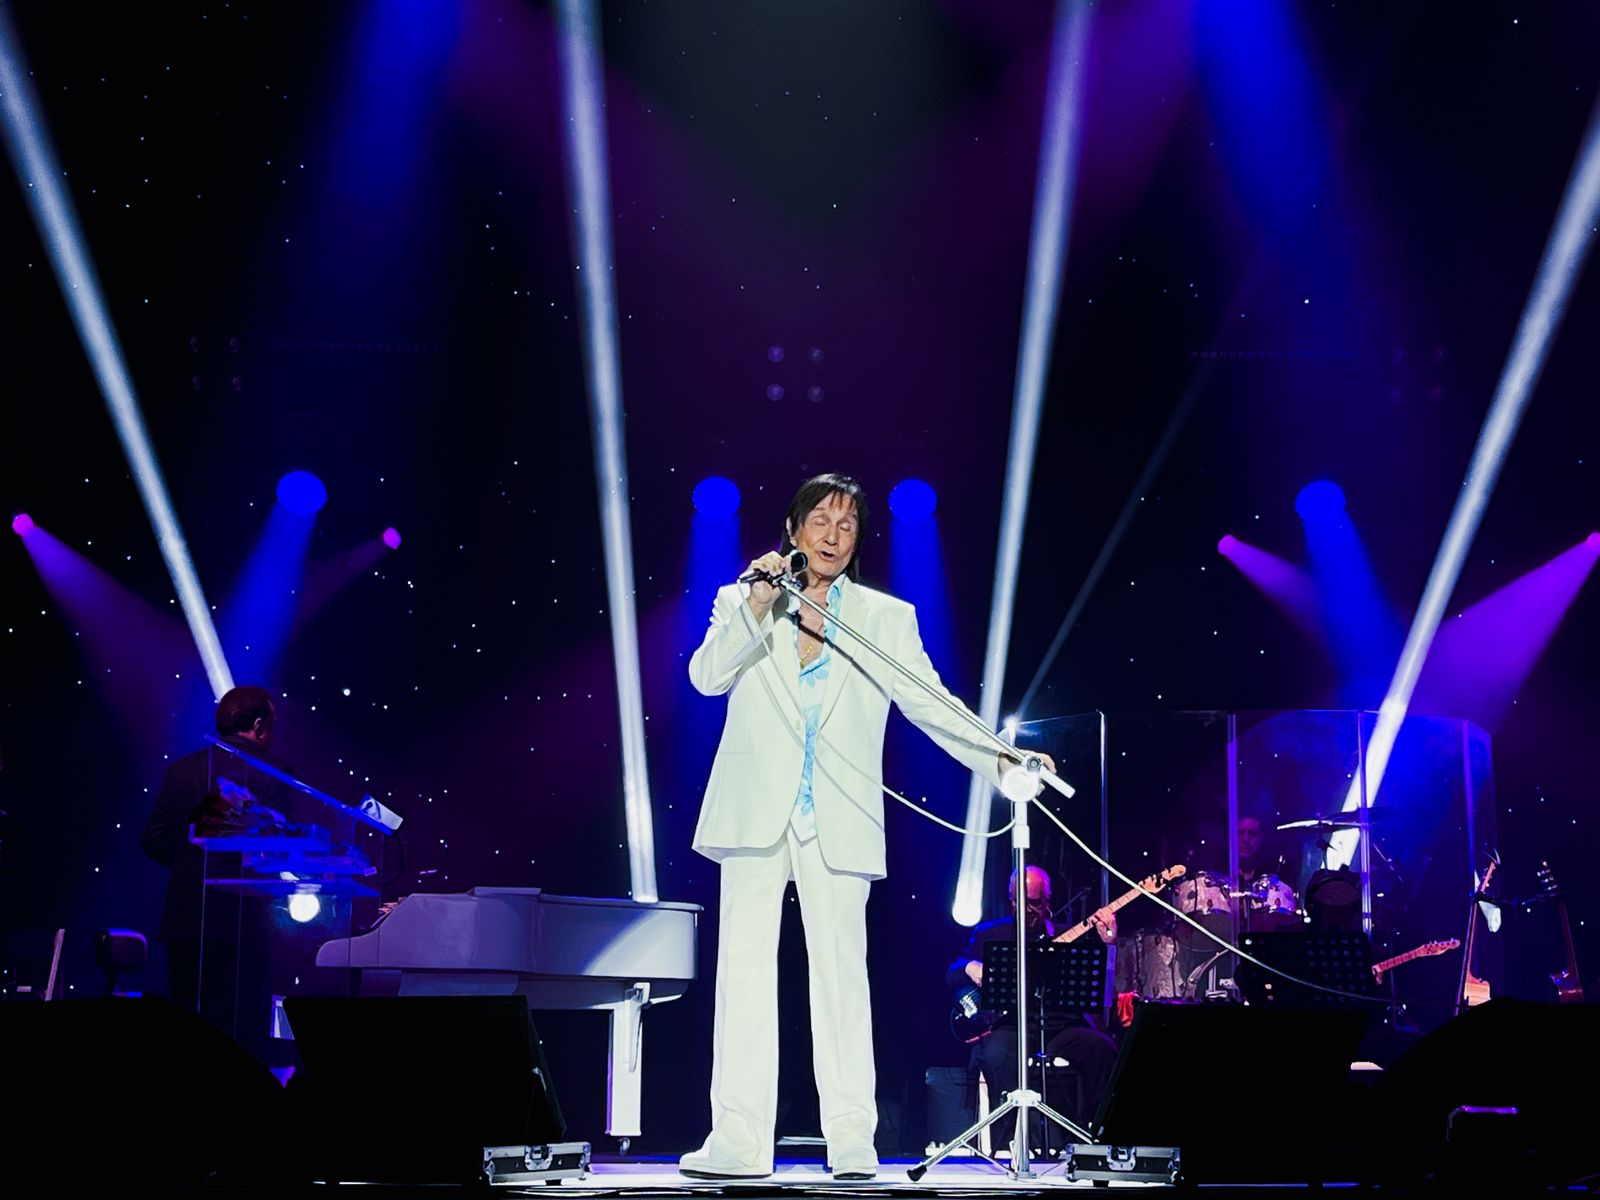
point(813, 689)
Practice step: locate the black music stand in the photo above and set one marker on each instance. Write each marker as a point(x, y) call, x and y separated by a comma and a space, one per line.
point(1334, 960)
point(1069, 978)
point(1066, 979)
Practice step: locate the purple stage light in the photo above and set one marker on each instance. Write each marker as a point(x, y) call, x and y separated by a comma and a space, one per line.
point(1321, 500)
point(1288, 586)
point(775, 354)
point(391, 538)
point(1483, 655)
point(302, 493)
point(774, 391)
point(22, 524)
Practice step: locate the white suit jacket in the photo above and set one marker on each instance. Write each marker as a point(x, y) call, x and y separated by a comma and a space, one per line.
point(756, 775)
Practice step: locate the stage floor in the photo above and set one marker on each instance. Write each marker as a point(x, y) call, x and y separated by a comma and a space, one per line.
point(948, 1178)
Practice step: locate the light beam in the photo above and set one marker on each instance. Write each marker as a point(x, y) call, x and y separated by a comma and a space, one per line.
point(28, 141)
point(1047, 257)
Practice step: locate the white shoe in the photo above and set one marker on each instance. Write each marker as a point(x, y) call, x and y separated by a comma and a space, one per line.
point(705, 1163)
point(853, 1162)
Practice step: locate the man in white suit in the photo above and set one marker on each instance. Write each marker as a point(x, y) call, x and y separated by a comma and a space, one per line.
point(796, 793)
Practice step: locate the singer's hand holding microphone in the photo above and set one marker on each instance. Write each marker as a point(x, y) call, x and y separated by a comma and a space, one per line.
point(762, 570)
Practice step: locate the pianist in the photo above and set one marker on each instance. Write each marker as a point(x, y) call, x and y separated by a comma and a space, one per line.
point(795, 794)
point(245, 717)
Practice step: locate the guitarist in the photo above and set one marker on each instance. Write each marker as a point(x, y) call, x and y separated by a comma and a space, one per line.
point(1079, 1039)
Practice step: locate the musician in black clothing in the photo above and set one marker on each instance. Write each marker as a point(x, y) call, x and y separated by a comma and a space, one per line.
point(246, 718)
point(1078, 1038)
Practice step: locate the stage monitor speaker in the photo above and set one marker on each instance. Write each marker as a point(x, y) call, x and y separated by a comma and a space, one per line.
point(1540, 1060)
point(410, 1089)
point(135, 1091)
point(1250, 1095)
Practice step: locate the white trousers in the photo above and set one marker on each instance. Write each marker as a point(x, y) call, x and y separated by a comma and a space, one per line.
point(744, 1069)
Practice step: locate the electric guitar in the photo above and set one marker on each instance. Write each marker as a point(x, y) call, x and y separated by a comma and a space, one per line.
point(1567, 982)
point(969, 1020)
point(1475, 991)
point(1426, 950)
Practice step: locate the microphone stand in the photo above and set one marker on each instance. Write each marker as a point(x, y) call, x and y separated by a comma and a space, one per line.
point(1023, 1100)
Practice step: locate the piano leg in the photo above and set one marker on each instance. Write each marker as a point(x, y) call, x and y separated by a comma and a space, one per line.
point(624, 1073)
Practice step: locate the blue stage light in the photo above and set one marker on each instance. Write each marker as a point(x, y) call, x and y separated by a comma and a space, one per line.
point(716, 496)
point(302, 493)
point(1320, 500)
point(913, 500)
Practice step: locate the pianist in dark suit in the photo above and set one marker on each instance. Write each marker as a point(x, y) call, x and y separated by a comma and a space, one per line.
point(795, 793)
point(245, 716)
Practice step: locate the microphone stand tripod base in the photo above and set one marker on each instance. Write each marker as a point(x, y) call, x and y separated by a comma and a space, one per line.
point(1022, 1100)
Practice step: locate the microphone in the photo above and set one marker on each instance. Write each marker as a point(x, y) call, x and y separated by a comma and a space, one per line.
point(797, 564)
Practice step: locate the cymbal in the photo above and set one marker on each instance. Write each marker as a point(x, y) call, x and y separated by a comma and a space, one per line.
point(1340, 822)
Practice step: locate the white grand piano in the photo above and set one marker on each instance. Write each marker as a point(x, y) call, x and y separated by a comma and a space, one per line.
point(561, 952)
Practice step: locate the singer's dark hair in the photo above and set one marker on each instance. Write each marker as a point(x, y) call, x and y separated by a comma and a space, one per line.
point(812, 493)
point(241, 707)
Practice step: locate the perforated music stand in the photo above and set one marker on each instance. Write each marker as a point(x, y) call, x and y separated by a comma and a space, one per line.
point(1071, 978)
point(1334, 960)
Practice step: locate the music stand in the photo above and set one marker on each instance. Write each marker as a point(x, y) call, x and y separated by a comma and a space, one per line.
point(1068, 978)
point(1334, 960)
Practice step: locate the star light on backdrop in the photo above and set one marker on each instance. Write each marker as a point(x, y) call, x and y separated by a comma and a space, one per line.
point(1047, 258)
point(27, 139)
point(589, 187)
point(1571, 238)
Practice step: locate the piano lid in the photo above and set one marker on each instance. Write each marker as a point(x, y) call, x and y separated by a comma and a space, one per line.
point(529, 932)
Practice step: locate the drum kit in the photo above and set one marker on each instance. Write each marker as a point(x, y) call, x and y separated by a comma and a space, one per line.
point(1175, 963)
point(1181, 964)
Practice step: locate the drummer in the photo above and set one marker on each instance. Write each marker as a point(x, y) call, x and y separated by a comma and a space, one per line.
point(1271, 903)
point(1252, 860)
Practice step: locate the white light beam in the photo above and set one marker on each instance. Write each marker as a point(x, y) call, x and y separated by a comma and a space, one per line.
point(28, 141)
point(1570, 241)
point(589, 183)
point(1047, 256)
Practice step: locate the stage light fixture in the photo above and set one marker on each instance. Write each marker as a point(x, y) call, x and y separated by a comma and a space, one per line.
point(589, 189)
point(304, 907)
point(913, 500)
point(1320, 500)
point(1227, 544)
point(28, 141)
point(1571, 238)
point(22, 524)
point(716, 497)
point(302, 493)
point(1047, 257)
point(391, 538)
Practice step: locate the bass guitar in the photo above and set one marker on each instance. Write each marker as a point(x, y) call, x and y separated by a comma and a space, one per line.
point(1426, 950)
point(1475, 991)
point(1567, 982)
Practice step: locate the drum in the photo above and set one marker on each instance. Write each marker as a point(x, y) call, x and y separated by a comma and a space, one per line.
point(1147, 966)
point(1272, 904)
point(1203, 895)
point(1271, 894)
